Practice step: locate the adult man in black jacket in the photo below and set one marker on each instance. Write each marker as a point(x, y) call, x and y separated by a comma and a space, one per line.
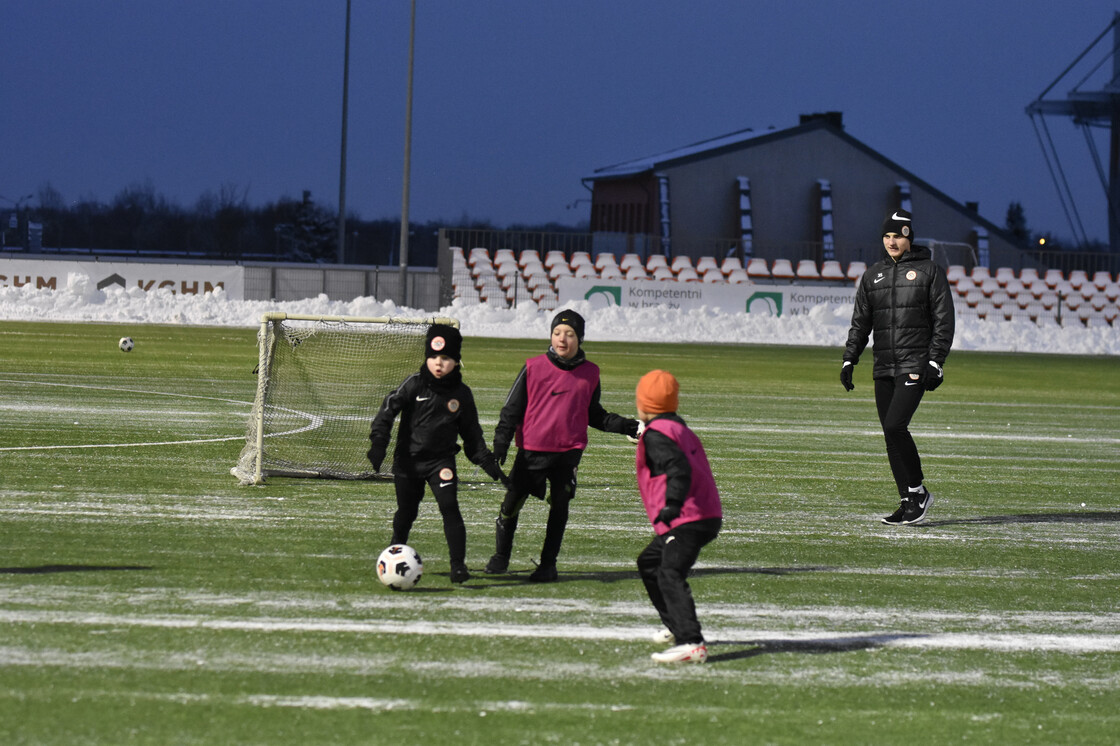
point(906, 300)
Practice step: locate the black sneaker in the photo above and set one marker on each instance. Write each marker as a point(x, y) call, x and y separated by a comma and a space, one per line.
point(919, 506)
point(460, 574)
point(497, 565)
point(544, 574)
point(896, 517)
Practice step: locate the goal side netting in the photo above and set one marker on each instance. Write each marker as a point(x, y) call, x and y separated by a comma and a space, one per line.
point(320, 381)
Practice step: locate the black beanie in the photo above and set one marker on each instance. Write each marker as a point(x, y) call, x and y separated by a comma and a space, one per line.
point(898, 222)
point(572, 319)
point(444, 340)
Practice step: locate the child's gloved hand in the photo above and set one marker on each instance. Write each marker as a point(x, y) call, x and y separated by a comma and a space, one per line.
point(668, 514)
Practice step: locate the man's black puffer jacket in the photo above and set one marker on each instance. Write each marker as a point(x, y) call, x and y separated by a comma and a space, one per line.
point(909, 306)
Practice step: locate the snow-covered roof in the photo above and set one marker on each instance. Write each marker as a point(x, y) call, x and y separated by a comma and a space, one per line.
point(649, 163)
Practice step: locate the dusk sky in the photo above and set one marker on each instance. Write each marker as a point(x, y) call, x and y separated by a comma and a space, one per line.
point(516, 100)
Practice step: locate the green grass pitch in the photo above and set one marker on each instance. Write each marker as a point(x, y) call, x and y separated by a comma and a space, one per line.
point(147, 598)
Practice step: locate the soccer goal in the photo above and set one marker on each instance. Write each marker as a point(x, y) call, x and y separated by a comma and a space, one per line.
point(320, 381)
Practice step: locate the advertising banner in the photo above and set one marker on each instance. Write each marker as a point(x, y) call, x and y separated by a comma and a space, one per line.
point(180, 279)
point(771, 300)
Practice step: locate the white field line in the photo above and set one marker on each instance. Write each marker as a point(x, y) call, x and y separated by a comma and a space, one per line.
point(1003, 641)
point(824, 431)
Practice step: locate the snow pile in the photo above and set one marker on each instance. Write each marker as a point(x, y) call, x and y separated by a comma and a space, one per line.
point(824, 326)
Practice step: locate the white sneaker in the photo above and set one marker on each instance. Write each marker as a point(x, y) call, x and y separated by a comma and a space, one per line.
point(665, 637)
point(693, 653)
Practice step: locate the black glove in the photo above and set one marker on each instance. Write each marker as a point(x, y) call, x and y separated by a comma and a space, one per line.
point(501, 450)
point(846, 375)
point(376, 455)
point(934, 376)
point(490, 466)
point(669, 513)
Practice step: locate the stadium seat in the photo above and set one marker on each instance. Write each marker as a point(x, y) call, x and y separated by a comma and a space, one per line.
point(988, 285)
point(965, 284)
point(679, 263)
point(483, 268)
point(831, 270)
point(585, 271)
point(610, 272)
point(663, 273)
point(533, 266)
point(504, 255)
point(555, 257)
point(477, 255)
point(1111, 291)
point(580, 258)
point(807, 270)
point(1098, 301)
point(984, 309)
point(955, 273)
point(1029, 276)
point(635, 272)
point(688, 274)
point(1024, 300)
point(630, 260)
point(1000, 298)
point(756, 267)
point(974, 297)
point(1111, 313)
point(738, 277)
point(1064, 289)
point(782, 269)
point(1004, 275)
point(655, 261)
point(1015, 287)
point(1077, 278)
point(1053, 277)
point(856, 270)
point(509, 274)
point(713, 275)
point(529, 257)
point(1048, 300)
point(1101, 279)
point(730, 264)
point(518, 294)
point(605, 260)
point(538, 280)
point(1073, 301)
point(980, 273)
point(545, 297)
point(558, 270)
point(705, 263)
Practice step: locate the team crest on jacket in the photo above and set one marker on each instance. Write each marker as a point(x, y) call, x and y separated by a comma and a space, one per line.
point(446, 474)
point(911, 275)
point(453, 405)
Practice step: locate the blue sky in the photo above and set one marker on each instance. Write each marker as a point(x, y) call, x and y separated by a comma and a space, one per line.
point(515, 101)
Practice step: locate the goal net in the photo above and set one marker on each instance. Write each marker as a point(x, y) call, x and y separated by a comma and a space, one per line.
point(320, 381)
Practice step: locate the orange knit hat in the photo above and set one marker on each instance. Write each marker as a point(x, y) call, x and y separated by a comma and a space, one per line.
point(657, 392)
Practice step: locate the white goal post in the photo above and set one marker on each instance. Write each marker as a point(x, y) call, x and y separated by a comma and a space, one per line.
point(320, 381)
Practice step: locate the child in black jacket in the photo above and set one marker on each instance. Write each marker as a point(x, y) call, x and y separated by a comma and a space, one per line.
point(436, 409)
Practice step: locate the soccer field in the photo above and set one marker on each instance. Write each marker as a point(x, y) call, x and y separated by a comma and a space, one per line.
point(147, 598)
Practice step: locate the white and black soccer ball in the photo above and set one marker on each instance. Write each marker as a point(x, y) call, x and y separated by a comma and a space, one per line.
point(126, 344)
point(399, 567)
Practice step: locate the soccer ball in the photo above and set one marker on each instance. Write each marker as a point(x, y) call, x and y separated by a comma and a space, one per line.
point(399, 567)
point(126, 344)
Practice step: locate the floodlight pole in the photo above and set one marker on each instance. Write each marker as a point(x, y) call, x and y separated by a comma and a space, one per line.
point(341, 253)
point(407, 161)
